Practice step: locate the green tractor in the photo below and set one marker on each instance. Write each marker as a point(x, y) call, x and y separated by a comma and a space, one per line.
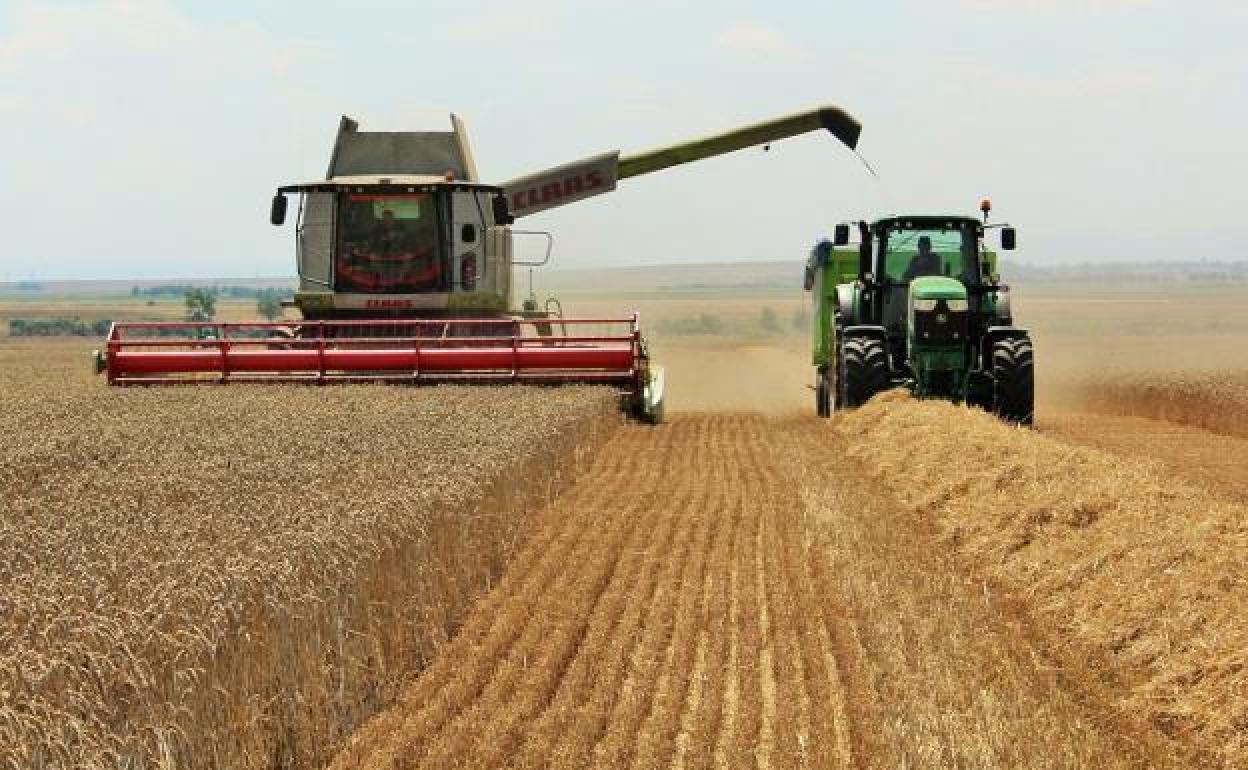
point(917, 303)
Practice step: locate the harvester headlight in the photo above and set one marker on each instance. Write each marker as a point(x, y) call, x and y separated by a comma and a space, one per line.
point(925, 305)
point(956, 305)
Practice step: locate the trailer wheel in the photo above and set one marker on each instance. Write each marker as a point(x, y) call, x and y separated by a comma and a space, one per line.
point(1013, 375)
point(863, 371)
point(823, 393)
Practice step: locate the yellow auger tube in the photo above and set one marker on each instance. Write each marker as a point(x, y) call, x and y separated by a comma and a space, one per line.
point(838, 122)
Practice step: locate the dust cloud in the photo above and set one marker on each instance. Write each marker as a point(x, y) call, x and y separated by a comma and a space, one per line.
point(736, 376)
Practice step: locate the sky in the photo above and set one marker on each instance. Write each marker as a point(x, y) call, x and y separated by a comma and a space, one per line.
point(143, 138)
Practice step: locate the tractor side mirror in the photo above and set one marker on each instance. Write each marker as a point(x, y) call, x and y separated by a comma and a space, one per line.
point(1009, 238)
point(864, 251)
point(501, 215)
point(840, 236)
point(277, 213)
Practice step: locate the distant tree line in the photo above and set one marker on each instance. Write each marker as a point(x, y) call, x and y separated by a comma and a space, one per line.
point(201, 303)
point(172, 290)
point(57, 327)
point(1141, 272)
point(768, 321)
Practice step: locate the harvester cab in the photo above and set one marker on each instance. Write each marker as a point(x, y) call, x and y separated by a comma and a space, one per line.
point(401, 227)
point(405, 264)
point(917, 303)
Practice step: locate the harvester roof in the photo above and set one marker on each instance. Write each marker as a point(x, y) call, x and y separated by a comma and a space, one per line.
point(388, 183)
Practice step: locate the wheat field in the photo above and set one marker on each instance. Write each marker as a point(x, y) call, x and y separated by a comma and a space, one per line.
point(1214, 401)
point(380, 577)
point(1133, 575)
point(235, 577)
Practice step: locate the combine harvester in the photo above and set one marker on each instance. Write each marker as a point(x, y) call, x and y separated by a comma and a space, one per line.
point(918, 304)
point(405, 265)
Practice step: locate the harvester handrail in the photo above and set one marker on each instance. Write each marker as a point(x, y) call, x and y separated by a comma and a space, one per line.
point(156, 342)
point(230, 351)
point(366, 322)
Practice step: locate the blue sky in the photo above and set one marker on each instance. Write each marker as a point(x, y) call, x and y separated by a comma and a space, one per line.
point(143, 137)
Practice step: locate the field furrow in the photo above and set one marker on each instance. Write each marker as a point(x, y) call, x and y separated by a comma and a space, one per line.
point(577, 714)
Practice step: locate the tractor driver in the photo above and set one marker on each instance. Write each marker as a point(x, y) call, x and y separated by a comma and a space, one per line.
point(926, 262)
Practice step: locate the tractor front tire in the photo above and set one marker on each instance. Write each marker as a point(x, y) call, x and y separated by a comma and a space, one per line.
point(1013, 375)
point(863, 371)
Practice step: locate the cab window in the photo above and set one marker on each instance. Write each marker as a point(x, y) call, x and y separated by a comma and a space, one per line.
point(909, 253)
point(389, 243)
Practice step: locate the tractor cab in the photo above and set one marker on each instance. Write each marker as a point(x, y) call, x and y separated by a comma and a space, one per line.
point(910, 251)
point(399, 245)
point(924, 265)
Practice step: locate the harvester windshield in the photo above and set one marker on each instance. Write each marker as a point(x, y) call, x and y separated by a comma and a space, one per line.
point(910, 253)
point(389, 243)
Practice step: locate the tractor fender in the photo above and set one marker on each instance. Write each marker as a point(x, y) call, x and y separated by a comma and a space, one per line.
point(846, 305)
point(869, 331)
point(863, 330)
point(1001, 309)
point(994, 333)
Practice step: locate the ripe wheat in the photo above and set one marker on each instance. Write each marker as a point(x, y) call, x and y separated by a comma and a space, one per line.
point(236, 577)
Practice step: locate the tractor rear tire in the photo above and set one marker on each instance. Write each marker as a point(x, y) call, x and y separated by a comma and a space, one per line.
point(1013, 375)
point(823, 393)
point(864, 371)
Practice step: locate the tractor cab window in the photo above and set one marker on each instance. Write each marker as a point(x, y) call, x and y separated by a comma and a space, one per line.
point(910, 253)
point(389, 243)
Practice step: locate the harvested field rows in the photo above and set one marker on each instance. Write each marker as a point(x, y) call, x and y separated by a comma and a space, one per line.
point(638, 628)
point(236, 577)
point(715, 593)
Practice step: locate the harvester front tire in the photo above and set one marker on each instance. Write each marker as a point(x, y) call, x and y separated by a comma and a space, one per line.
point(1013, 375)
point(864, 371)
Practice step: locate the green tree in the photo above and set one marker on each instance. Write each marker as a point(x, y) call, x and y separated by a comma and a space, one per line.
point(710, 324)
point(269, 304)
point(201, 304)
point(769, 320)
point(801, 318)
